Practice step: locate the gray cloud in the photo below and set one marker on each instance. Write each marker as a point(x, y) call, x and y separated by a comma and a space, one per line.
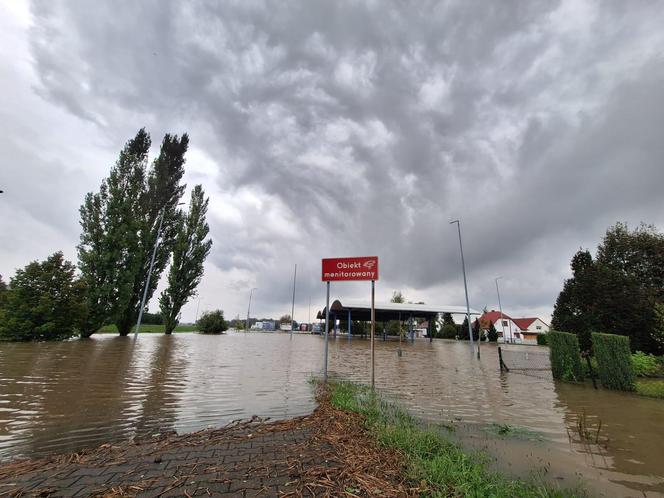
point(337, 128)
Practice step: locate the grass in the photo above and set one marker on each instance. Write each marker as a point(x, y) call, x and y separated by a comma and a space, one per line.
point(653, 388)
point(430, 458)
point(513, 431)
point(148, 328)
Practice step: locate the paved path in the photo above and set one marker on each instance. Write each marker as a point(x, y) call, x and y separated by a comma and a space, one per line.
point(328, 453)
point(244, 461)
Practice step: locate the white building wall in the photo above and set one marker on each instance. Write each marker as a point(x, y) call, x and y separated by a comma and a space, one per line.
point(509, 325)
point(543, 327)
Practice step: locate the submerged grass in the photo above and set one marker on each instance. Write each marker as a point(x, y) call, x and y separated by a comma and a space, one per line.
point(148, 329)
point(653, 388)
point(513, 431)
point(431, 459)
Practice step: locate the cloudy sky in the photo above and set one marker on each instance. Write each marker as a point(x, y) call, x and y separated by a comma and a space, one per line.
point(345, 128)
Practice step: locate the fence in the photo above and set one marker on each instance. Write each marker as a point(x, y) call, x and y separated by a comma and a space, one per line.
point(525, 361)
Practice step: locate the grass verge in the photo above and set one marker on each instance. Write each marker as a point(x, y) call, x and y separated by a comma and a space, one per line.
point(441, 466)
point(148, 328)
point(653, 388)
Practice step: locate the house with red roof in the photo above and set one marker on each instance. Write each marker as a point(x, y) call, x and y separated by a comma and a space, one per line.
point(521, 330)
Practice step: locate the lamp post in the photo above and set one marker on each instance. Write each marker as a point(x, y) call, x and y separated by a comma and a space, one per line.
point(465, 286)
point(198, 305)
point(292, 318)
point(246, 328)
point(147, 283)
point(502, 320)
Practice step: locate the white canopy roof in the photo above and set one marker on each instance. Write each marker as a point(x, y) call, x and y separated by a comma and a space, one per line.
point(353, 305)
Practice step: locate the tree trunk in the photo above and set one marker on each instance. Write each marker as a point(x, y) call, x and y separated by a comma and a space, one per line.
point(124, 326)
point(87, 333)
point(169, 325)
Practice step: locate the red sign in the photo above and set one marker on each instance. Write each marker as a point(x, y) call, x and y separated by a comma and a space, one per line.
point(362, 268)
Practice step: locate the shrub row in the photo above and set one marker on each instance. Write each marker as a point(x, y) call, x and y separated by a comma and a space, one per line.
point(565, 358)
point(614, 361)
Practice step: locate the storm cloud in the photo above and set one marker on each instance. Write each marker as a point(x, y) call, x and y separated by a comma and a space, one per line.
point(347, 128)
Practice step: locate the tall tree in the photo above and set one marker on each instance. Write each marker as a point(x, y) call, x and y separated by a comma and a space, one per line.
point(119, 228)
point(463, 331)
point(161, 196)
point(109, 236)
point(618, 291)
point(575, 309)
point(190, 249)
point(658, 327)
point(45, 302)
point(3, 291)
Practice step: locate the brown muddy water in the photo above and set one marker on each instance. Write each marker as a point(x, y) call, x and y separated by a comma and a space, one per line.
point(57, 397)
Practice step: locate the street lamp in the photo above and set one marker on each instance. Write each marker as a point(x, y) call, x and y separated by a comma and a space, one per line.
point(292, 316)
point(246, 328)
point(197, 306)
point(465, 286)
point(502, 321)
point(147, 283)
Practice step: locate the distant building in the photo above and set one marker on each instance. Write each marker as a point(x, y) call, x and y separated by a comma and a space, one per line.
point(519, 330)
point(264, 325)
point(531, 327)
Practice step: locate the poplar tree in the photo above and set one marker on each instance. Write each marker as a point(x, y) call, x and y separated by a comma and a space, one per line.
point(119, 228)
point(190, 249)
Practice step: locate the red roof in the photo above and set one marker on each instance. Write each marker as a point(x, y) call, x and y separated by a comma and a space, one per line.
point(524, 323)
point(492, 317)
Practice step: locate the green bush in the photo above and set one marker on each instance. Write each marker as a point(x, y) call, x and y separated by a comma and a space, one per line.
point(614, 361)
point(45, 302)
point(541, 340)
point(646, 365)
point(212, 322)
point(448, 331)
point(565, 356)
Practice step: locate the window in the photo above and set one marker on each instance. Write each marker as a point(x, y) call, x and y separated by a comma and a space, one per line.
point(504, 323)
point(539, 327)
point(517, 335)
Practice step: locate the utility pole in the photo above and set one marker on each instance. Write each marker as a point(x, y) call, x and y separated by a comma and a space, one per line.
point(465, 286)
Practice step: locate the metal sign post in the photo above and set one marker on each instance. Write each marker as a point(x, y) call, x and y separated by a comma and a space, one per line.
point(327, 328)
point(353, 269)
point(373, 329)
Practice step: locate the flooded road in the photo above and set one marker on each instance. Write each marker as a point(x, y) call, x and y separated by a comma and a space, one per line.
point(69, 395)
point(66, 396)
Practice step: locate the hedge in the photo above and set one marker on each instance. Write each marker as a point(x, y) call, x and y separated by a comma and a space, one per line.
point(541, 340)
point(614, 361)
point(565, 356)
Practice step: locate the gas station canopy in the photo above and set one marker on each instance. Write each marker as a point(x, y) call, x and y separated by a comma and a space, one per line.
point(361, 310)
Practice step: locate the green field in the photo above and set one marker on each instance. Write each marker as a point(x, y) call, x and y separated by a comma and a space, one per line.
point(149, 329)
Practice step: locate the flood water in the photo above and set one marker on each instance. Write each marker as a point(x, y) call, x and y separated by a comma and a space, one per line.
point(57, 397)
